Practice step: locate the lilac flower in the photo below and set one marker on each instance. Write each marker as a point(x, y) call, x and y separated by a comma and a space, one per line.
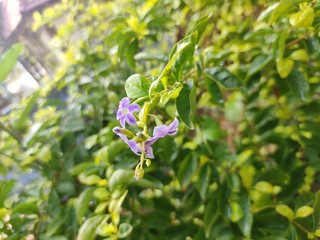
point(135, 147)
point(158, 132)
point(125, 112)
point(163, 130)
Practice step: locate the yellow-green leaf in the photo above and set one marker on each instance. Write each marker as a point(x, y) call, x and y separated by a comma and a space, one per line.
point(304, 211)
point(303, 18)
point(236, 212)
point(264, 187)
point(285, 211)
point(300, 55)
point(284, 67)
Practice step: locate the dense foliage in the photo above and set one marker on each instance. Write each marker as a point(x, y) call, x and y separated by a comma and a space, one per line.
point(243, 79)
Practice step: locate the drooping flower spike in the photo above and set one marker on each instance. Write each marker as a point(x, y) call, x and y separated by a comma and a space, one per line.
point(125, 112)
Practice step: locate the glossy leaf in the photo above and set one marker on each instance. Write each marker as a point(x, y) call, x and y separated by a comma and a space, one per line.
point(284, 67)
point(224, 77)
point(282, 8)
point(120, 177)
point(214, 90)
point(185, 104)
point(298, 85)
point(83, 203)
point(302, 19)
point(203, 181)
point(258, 64)
point(236, 212)
point(88, 229)
point(285, 211)
point(181, 53)
point(26, 208)
point(303, 212)
point(137, 86)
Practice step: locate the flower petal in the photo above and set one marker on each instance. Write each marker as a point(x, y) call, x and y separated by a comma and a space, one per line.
point(160, 131)
point(123, 122)
point(151, 141)
point(124, 103)
point(173, 127)
point(119, 114)
point(117, 130)
point(134, 108)
point(149, 151)
point(134, 146)
point(131, 119)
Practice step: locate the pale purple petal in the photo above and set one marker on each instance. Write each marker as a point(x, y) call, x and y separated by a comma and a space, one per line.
point(149, 151)
point(131, 119)
point(134, 146)
point(119, 114)
point(160, 131)
point(117, 130)
point(123, 122)
point(173, 127)
point(152, 140)
point(124, 103)
point(134, 108)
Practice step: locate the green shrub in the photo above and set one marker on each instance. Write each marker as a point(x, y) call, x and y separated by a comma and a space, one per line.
point(243, 79)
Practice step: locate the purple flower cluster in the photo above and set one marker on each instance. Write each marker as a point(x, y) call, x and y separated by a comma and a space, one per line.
point(125, 114)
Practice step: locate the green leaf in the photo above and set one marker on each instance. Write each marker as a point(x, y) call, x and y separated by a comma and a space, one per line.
point(302, 19)
point(82, 203)
point(186, 170)
point(124, 230)
point(214, 90)
point(210, 216)
point(245, 223)
point(303, 212)
point(316, 212)
point(200, 26)
point(283, 7)
point(185, 103)
point(88, 229)
point(264, 187)
point(223, 77)
point(24, 117)
point(81, 168)
point(203, 181)
point(117, 198)
point(284, 67)
point(137, 86)
point(26, 208)
point(9, 59)
point(54, 205)
point(298, 85)
point(54, 226)
point(236, 212)
point(282, 38)
point(285, 211)
point(300, 55)
point(259, 63)
point(120, 177)
point(181, 53)
point(5, 188)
